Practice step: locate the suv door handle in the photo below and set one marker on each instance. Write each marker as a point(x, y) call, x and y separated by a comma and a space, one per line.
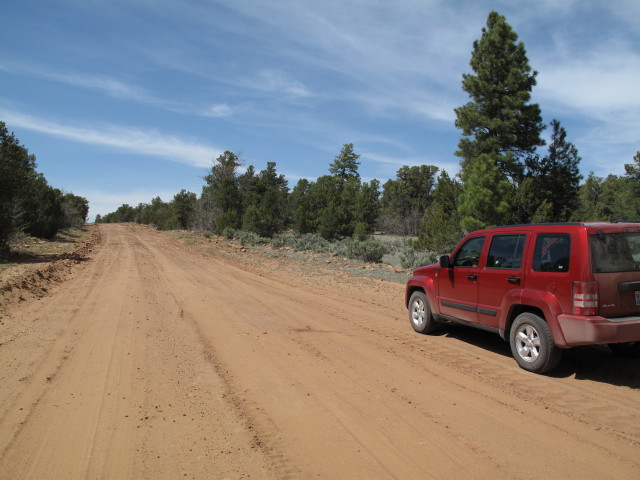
point(515, 280)
point(472, 276)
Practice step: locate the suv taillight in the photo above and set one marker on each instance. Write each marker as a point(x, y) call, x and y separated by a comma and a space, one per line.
point(585, 298)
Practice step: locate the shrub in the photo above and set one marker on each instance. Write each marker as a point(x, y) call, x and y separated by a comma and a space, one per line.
point(281, 240)
point(411, 257)
point(370, 250)
point(250, 238)
point(311, 241)
point(229, 233)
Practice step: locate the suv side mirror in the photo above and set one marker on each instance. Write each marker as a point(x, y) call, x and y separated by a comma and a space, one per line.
point(445, 262)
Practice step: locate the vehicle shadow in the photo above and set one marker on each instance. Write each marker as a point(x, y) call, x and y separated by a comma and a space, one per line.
point(595, 362)
point(599, 364)
point(479, 338)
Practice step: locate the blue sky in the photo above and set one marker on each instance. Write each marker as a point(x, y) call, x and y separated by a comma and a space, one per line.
point(125, 100)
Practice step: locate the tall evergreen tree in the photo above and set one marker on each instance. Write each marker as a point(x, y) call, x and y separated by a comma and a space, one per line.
point(267, 213)
point(345, 164)
point(182, 209)
point(302, 211)
point(558, 176)
point(223, 189)
point(440, 227)
point(498, 124)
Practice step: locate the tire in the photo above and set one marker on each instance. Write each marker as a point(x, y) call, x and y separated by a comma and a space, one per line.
point(532, 345)
point(420, 315)
point(628, 349)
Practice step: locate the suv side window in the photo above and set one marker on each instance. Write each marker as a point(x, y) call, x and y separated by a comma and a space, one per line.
point(552, 252)
point(469, 253)
point(506, 251)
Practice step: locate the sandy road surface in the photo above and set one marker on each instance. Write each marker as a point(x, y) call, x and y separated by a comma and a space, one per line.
point(156, 359)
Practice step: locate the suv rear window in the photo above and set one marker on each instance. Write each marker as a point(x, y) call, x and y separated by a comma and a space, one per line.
point(552, 252)
point(615, 252)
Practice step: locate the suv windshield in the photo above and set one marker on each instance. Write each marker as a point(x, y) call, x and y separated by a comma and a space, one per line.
point(615, 252)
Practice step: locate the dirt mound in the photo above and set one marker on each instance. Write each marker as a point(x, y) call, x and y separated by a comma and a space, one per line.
point(33, 276)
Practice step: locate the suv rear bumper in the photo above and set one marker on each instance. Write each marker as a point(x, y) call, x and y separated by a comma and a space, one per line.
point(579, 330)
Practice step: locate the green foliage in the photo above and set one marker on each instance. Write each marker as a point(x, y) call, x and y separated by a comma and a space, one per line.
point(367, 207)
point(608, 199)
point(440, 227)
point(267, 202)
point(412, 257)
point(368, 250)
point(500, 128)
point(301, 242)
point(334, 204)
point(250, 238)
point(27, 202)
point(302, 208)
point(485, 199)
point(405, 199)
point(345, 164)
point(75, 210)
point(229, 233)
point(499, 120)
point(544, 213)
point(556, 178)
point(228, 219)
point(41, 208)
point(182, 209)
point(17, 169)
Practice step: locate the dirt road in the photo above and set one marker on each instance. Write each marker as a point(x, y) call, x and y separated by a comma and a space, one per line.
point(157, 358)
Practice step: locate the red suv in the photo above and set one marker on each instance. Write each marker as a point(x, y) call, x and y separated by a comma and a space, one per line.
point(543, 288)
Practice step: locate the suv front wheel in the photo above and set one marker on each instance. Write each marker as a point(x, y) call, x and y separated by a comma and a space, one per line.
point(532, 345)
point(420, 315)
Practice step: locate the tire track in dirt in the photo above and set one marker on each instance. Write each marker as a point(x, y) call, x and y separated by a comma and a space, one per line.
point(271, 305)
point(169, 361)
point(133, 397)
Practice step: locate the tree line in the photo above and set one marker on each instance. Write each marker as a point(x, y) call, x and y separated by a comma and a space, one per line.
point(28, 204)
point(507, 175)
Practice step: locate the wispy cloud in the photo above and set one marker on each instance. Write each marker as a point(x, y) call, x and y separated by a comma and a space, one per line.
point(106, 84)
point(130, 139)
point(219, 110)
point(605, 81)
point(277, 81)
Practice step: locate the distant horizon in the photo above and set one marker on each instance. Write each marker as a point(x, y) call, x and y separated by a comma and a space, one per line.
point(127, 101)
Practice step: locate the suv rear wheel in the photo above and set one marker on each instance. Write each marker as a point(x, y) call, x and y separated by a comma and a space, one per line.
point(532, 345)
point(420, 315)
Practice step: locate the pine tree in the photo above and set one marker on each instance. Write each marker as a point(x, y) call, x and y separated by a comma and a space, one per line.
point(405, 199)
point(440, 227)
point(486, 195)
point(223, 189)
point(345, 164)
point(559, 175)
point(498, 124)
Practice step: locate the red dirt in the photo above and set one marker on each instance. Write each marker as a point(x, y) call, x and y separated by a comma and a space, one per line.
point(154, 358)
